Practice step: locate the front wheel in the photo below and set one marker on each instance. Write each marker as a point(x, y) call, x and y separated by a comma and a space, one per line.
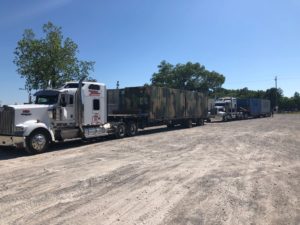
point(37, 142)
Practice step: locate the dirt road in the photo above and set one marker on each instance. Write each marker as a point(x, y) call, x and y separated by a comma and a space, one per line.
point(242, 172)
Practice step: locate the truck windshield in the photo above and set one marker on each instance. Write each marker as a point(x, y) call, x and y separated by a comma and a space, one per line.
point(46, 100)
point(220, 104)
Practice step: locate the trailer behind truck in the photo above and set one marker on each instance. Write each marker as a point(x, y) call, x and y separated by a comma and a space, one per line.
point(255, 107)
point(151, 106)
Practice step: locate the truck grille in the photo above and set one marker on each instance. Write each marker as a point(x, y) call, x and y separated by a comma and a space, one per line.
point(7, 120)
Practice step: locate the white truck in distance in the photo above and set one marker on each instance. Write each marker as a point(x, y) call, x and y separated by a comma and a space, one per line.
point(230, 108)
point(225, 109)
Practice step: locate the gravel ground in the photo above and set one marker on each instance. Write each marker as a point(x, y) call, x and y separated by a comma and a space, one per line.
point(240, 172)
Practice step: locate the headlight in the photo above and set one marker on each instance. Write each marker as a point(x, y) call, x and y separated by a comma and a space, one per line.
point(19, 131)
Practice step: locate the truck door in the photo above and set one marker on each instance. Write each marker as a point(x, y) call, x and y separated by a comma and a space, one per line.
point(94, 101)
point(66, 109)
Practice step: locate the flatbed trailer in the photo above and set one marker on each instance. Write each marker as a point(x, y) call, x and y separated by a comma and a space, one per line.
point(152, 106)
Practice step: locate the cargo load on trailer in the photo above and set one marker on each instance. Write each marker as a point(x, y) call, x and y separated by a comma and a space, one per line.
point(150, 106)
point(255, 107)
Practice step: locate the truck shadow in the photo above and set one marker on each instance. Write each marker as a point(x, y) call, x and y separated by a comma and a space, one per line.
point(7, 153)
point(80, 143)
point(10, 153)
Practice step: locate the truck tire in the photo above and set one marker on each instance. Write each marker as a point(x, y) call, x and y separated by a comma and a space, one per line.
point(200, 122)
point(37, 142)
point(131, 129)
point(225, 119)
point(120, 131)
point(189, 123)
point(170, 125)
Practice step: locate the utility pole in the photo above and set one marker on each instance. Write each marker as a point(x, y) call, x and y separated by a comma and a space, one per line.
point(276, 97)
point(29, 94)
point(118, 84)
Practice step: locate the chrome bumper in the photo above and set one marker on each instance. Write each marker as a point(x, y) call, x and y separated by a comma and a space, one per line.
point(15, 141)
point(216, 118)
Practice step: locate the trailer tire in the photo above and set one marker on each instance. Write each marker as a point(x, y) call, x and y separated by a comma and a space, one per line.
point(120, 131)
point(132, 129)
point(188, 123)
point(200, 122)
point(37, 142)
point(170, 125)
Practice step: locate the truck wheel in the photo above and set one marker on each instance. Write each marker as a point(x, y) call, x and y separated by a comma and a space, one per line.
point(170, 125)
point(132, 129)
point(189, 123)
point(200, 122)
point(37, 142)
point(120, 132)
point(225, 119)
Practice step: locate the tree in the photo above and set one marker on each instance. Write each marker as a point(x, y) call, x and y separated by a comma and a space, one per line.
point(275, 96)
point(189, 76)
point(49, 59)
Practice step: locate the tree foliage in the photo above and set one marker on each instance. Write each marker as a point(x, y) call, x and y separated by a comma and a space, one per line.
point(51, 58)
point(189, 76)
point(194, 76)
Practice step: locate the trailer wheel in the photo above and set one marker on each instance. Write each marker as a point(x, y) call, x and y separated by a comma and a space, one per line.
point(120, 132)
point(189, 123)
point(37, 142)
point(200, 122)
point(170, 125)
point(132, 129)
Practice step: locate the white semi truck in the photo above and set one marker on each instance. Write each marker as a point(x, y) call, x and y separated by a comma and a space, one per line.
point(77, 110)
point(226, 109)
point(80, 110)
point(230, 108)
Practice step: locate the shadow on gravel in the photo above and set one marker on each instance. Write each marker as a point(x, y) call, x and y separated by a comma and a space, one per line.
point(7, 153)
point(11, 153)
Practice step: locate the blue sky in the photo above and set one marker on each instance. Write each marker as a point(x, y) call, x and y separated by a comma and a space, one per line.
point(249, 41)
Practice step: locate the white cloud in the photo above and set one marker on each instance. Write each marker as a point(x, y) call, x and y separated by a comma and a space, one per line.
point(31, 10)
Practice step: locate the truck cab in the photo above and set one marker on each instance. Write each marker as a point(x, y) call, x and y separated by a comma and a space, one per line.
point(76, 110)
point(225, 109)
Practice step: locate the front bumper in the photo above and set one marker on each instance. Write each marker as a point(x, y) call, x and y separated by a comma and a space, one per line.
point(216, 118)
point(15, 141)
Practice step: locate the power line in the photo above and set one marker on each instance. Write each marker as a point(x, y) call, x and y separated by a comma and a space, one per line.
point(264, 80)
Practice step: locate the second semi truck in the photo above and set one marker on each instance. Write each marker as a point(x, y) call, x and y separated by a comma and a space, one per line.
point(230, 108)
